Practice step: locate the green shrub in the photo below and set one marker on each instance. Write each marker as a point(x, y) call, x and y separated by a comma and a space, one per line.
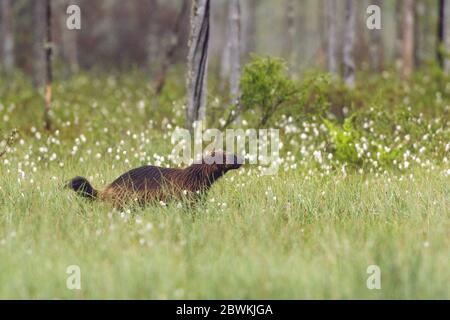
point(266, 87)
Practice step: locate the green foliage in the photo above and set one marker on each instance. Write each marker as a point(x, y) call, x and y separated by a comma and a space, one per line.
point(344, 196)
point(266, 87)
point(384, 122)
point(343, 141)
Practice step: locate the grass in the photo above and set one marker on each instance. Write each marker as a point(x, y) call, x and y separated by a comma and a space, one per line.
point(304, 233)
point(314, 240)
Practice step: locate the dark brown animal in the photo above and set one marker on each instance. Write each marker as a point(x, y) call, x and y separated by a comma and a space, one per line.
point(149, 184)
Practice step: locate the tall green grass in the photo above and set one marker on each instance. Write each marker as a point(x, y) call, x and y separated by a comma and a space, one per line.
point(254, 237)
point(310, 231)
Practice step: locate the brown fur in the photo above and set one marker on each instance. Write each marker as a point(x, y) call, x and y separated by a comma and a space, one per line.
point(149, 184)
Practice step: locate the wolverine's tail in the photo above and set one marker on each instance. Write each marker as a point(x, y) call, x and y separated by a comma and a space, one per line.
point(81, 186)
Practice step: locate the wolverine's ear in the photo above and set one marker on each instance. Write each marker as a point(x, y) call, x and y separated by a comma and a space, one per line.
point(216, 158)
point(213, 153)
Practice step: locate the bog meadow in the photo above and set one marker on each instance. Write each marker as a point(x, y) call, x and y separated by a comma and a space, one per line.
point(359, 205)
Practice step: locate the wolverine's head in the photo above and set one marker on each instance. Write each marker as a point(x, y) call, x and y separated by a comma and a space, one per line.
point(223, 161)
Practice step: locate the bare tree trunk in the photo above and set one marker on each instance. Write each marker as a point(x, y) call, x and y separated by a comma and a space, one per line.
point(408, 38)
point(447, 35)
point(225, 56)
point(250, 43)
point(38, 44)
point(235, 47)
point(6, 32)
point(152, 38)
point(172, 48)
point(48, 64)
point(376, 48)
point(69, 41)
point(440, 34)
point(197, 61)
point(322, 36)
point(419, 31)
point(290, 31)
point(330, 11)
point(348, 56)
point(398, 31)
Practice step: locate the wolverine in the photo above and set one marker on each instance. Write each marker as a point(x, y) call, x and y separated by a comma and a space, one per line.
point(150, 184)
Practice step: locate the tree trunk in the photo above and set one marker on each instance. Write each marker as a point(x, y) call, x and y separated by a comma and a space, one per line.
point(290, 31)
point(447, 35)
point(48, 64)
point(152, 38)
point(172, 48)
point(38, 43)
point(250, 44)
point(330, 10)
point(440, 34)
point(398, 31)
point(235, 47)
point(348, 56)
point(7, 38)
point(376, 48)
point(408, 38)
point(68, 41)
point(322, 33)
point(197, 61)
point(419, 32)
point(225, 56)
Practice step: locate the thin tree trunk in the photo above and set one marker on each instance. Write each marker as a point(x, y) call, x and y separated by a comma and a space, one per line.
point(330, 10)
point(152, 38)
point(419, 32)
point(361, 41)
point(398, 31)
point(408, 38)
point(38, 43)
point(376, 48)
point(197, 61)
point(250, 44)
point(6, 31)
point(226, 52)
point(322, 36)
point(447, 35)
point(48, 64)
point(440, 34)
point(290, 31)
point(348, 55)
point(235, 47)
point(172, 47)
point(301, 29)
point(69, 41)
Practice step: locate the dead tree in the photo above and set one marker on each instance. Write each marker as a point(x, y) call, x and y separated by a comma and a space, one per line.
point(235, 47)
point(330, 13)
point(407, 38)
point(420, 34)
point(197, 62)
point(152, 36)
point(39, 43)
point(447, 35)
point(225, 53)
point(443, 35)
point(290, 31)
point(172, 48)
point(440, 34)
point(348, 56)
point(6, 33)
point(250, 21)
point(48, 64)
point(376, 49)
point(68, 39)
point(398, 31)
